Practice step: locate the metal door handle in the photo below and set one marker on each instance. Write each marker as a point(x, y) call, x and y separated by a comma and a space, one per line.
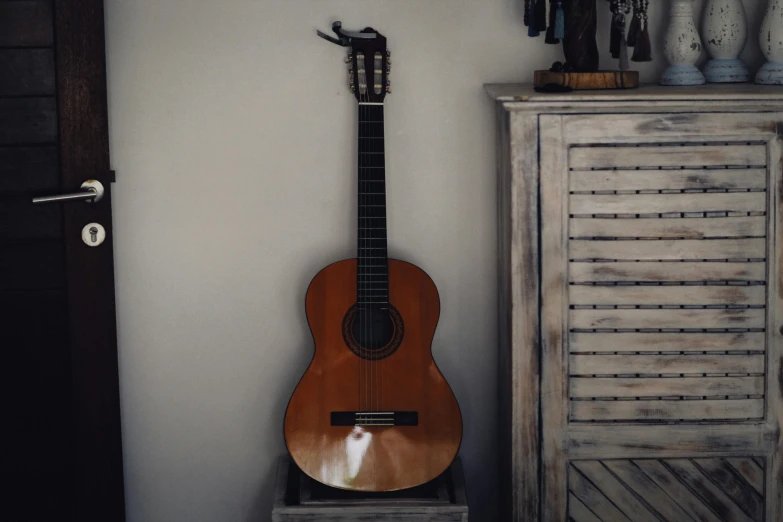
point(92, 192)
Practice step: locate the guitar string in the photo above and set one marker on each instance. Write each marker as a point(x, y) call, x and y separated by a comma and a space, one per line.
point(359, 307)
point(363, 232)
point(371, 211)
point(382, 201)
point(374, 233)
point(364, 159)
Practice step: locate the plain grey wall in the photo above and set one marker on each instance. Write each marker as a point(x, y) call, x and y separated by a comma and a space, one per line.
point(233, 137)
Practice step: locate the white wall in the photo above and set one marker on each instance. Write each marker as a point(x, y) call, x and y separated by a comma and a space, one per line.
point(232, 133)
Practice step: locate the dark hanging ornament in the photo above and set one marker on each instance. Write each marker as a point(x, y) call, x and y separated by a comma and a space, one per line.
point(532, 28)
point(560, 20)
point(636, 26)
point(527, 13)
point(550, 31)
point(642, 52)
point(541, 15)
point(614, 38)
point(623, 54)
point(614, 35)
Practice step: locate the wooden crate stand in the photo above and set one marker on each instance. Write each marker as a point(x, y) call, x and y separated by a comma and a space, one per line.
point(298, 498)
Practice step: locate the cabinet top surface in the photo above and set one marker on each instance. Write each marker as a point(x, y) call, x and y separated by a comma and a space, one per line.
point(524, 93)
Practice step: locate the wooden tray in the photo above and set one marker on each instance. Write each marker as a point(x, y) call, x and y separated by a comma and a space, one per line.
point(589, 80)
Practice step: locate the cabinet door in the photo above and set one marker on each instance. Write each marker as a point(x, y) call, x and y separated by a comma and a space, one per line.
point(661, 315)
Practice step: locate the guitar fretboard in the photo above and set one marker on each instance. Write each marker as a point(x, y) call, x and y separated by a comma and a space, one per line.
point(372, 275)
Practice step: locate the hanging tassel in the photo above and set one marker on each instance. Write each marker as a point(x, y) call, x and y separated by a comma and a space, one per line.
point(634, 29)
point(624, 65)
point(560, 21)
point(541, 15)
point(527, 13)
point(532, 28)
point(643, 50)
point(550, 31)
point(614, 38)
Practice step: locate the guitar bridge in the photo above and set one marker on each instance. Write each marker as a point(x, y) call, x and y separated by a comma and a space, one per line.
point(374, 418)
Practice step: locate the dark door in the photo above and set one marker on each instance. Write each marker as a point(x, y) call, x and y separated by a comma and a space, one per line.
point(61, 452)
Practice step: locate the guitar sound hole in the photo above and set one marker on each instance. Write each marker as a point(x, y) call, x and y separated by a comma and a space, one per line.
point(373, 333)
point(373, 328)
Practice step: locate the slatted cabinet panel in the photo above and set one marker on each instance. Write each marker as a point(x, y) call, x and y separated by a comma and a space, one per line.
point(717, 220)
point(658, 296)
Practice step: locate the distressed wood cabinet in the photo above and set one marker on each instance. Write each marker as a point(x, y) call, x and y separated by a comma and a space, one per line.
point(640, 252)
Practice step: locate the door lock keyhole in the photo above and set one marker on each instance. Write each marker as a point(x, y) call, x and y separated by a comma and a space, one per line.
point(93, 234)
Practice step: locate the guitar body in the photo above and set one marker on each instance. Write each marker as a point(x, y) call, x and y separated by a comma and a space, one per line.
point(396, 375)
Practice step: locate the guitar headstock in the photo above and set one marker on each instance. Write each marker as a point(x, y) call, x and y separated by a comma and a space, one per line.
point(369, 62)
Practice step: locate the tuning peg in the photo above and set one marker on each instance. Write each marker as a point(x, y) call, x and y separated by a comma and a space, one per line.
point(388, 88)
point(349, 58)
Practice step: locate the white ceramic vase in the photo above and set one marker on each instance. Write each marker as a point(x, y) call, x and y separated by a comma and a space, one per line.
point(771, 40)
point(682, 46)
point(725, 32)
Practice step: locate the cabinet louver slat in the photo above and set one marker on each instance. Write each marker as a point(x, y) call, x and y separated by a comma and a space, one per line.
point(691, 202)
point(668, 155)
point(672, 178)
point(656, 228)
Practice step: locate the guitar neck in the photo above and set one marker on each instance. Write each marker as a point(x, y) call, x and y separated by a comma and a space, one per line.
point(372, 275)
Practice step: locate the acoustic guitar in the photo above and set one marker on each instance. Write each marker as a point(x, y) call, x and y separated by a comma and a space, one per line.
point(372, 412)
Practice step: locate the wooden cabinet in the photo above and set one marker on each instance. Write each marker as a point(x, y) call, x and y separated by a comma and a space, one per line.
point(640, 250)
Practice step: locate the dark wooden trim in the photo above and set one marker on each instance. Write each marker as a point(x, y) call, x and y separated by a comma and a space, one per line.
point(84, 153)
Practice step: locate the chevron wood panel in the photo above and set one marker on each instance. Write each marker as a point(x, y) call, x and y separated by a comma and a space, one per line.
point(670, 490)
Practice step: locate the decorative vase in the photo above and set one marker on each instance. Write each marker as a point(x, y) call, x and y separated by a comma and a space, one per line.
point(682, 46)
point(725, 32)
point(771, 40)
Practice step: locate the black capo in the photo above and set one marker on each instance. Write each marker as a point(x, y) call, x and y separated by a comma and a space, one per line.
point(345, 36)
